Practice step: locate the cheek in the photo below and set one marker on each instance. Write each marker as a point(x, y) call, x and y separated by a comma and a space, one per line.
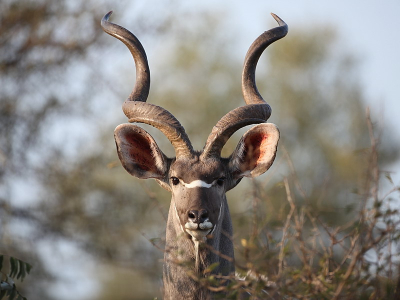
point(214, 204)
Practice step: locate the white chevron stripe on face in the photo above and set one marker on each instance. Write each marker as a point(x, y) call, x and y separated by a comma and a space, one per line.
point(197, 183)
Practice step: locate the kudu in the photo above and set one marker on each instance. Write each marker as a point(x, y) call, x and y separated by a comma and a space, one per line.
point(199, 226)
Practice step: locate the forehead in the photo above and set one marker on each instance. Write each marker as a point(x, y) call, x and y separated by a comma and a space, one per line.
point(194, 169)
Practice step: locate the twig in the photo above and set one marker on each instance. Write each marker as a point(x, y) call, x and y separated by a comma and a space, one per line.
point(286, 227)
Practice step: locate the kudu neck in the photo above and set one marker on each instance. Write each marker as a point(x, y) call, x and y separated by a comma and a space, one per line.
point(186, 260)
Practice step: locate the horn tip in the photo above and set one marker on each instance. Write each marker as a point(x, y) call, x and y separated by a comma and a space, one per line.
point(279, 20)
point(106, 17)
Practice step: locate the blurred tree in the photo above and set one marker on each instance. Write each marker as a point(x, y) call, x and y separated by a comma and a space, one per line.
point(49, 53)
point(39, 41)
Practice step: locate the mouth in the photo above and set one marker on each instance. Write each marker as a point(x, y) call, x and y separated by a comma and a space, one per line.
point(199, 232)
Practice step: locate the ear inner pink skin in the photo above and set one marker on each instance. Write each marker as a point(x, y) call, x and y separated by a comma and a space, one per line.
point(142, 154)
point(254, 152)
point(259, 145)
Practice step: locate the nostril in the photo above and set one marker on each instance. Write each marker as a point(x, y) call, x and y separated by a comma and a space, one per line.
point(196, 216)
point(203, 216)
point(193, 215)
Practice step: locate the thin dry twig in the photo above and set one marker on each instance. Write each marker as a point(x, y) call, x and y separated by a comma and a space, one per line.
point(286, 227)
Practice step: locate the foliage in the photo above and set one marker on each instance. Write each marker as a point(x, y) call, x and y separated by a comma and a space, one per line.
point(18, 270)
point(302, 256)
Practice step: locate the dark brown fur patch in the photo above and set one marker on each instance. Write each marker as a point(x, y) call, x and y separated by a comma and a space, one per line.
point(195, 169)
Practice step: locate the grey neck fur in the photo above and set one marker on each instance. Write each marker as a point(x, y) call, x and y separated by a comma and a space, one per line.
point(181, 253)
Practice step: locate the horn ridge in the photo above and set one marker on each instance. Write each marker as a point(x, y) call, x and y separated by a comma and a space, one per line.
point(162, 119)
point(135, 107)
point(257, 110)
point(250, 92)
point(141, 89)
point(230, 123)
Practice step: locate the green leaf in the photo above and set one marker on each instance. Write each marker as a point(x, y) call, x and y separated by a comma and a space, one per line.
point(22, 272)
point(211, 267)
point(14, 267)
point(28, 268)
point(12, 294)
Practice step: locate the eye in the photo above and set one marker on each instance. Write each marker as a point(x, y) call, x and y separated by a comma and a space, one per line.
point(220, 181)
point(175, 180)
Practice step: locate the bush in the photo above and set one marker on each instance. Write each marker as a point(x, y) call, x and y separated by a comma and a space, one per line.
point(300, 255)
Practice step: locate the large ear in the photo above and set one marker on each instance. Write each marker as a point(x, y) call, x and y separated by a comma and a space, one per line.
point(139, 153)
point(255, 152)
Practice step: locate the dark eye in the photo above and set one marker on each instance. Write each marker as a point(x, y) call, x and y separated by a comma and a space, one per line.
point(221, 181)
point(174, 180)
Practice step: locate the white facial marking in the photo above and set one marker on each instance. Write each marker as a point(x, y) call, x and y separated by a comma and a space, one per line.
point(206, 225)
point(200, 231)
point(177, 216)
point(191, 226)
point(219, 216)
point(198, 235)
point(203, 226)
point(197, 183)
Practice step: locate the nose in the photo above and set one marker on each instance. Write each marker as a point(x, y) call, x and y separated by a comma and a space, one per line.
point(197, 216)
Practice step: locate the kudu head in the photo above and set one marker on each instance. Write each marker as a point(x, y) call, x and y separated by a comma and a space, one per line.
point(198, 180)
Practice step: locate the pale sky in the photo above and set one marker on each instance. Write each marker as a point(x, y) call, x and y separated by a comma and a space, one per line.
point(370, 29)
